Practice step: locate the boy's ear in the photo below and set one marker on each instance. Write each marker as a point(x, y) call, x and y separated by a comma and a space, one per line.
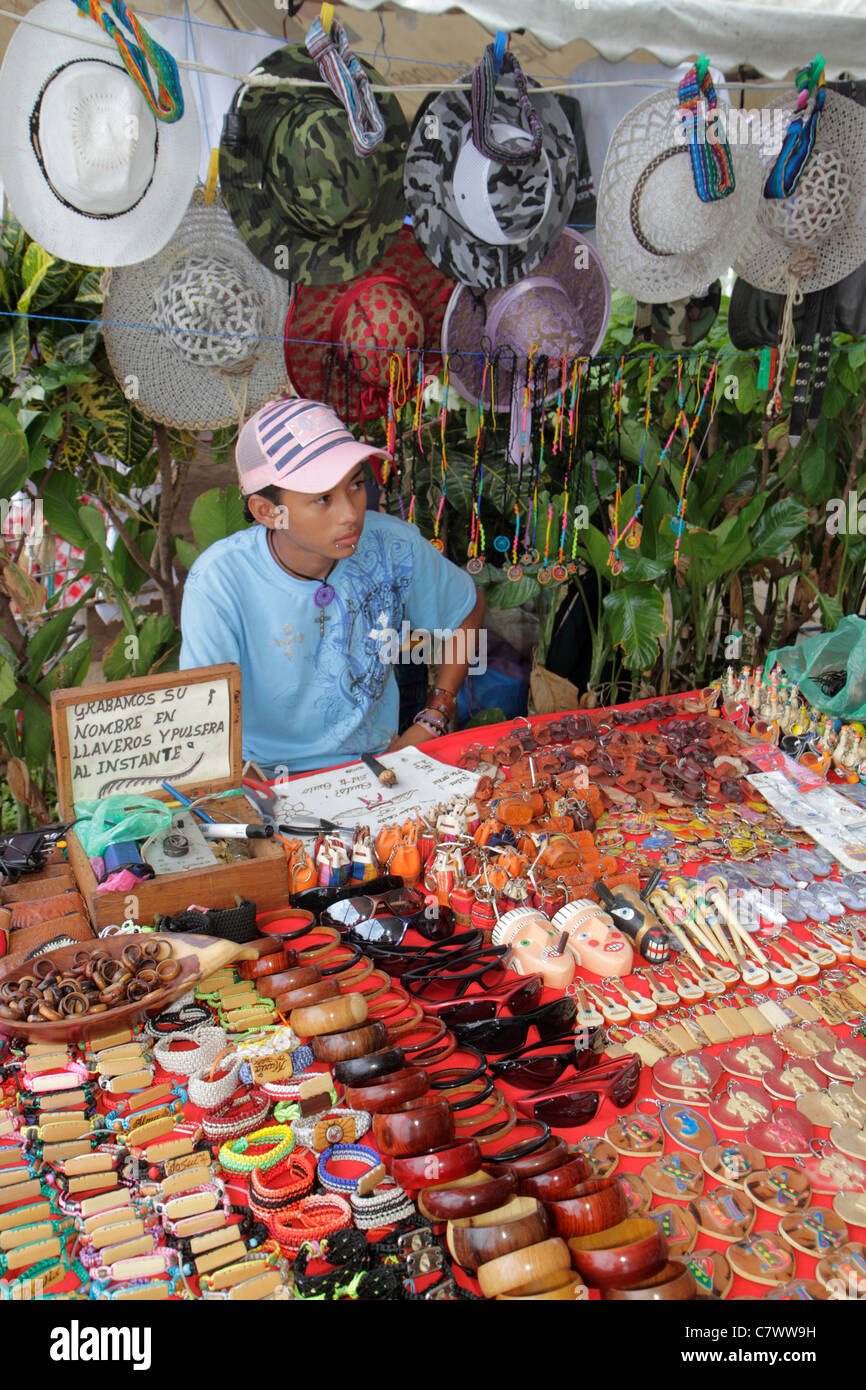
point(272, 514)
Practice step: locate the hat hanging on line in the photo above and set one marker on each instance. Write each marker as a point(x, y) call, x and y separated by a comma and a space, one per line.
point(307, 205)
point(340, 339)
point(487, 216)
point(817, 235)
point(90, 173)
point(196, 331)
point(658, 239)
point(562, 310)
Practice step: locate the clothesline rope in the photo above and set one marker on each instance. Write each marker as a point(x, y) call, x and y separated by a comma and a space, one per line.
point(262, 79)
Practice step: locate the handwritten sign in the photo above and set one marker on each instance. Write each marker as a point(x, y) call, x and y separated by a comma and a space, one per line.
point(352, 796)
point(275, 1067)
point(133, 740)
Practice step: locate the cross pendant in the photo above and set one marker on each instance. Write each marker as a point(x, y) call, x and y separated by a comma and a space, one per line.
point(323, 618)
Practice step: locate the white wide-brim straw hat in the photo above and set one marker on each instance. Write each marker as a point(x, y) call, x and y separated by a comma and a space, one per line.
point(817, 236)
point(89, 171)
point(657, 240)
point(195, 334)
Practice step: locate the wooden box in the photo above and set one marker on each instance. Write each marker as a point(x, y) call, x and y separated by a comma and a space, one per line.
point(128, 737)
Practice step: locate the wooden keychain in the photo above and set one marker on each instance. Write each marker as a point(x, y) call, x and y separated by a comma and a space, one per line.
point(688, 991)
point(609, 1009)
point(664, 999)
point(586, 1017)
point(637, 1004)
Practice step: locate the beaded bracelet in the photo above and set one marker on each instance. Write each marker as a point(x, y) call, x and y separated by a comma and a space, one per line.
point(344, 1153)
point(311, 1219)
point(237, 1117)
point(209, 1043)
point(278, 1141)
point(384, 1206)
point(338, 1126)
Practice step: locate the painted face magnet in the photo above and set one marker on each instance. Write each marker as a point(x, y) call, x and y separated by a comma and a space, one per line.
point(816, 1231)
point(678, 1226)
point(724, 1214)
point(780, 1190)
point(636, 1134)
point(675, 1176)
point(762, 1259)
point(731, 1163)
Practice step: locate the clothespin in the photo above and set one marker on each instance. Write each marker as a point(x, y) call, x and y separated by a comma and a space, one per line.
point(326, 17)
point(499, 46)
point(702, 67)
point(212, 175)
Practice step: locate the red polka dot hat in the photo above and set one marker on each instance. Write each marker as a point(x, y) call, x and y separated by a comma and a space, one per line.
point(341, 339)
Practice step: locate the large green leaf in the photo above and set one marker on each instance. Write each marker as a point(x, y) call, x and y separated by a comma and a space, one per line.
point(156, 635)
point(14, 347)
point(832, 611)
point(125, 571)
point(186, 552)
point(512, 593)
point(14, 454)
point(8, 684)
point(636, 617)
point(217, 513)
point(117, 430)
point(47, 642)
point(35, 266)
point(93, 523)
point(61, 507)
point(813, 471)
point(777, 527)
point(595, 547)
point(88, 291)
point(37, 732)
point(70, 669)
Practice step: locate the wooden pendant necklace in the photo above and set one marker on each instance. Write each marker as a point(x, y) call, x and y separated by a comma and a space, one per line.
point(325, 593)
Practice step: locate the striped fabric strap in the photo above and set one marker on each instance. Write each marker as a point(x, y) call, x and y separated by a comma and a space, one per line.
point(800, 135)
point(483, 93)
point(162, 92)
point(347, 79)
point(707, 141)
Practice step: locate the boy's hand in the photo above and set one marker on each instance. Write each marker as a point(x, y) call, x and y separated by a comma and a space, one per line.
point(415, 734)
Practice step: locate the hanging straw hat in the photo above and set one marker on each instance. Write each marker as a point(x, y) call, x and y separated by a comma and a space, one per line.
point(816, 236)
point(307, 205)
point(194, 335)
point(490, 221)
point(340, 339)
point(658, 240)
point(561, 311)
point(91, 174)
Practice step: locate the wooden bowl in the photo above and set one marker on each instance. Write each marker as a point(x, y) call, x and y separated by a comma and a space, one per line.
point(622, 1255)
point(198, 957)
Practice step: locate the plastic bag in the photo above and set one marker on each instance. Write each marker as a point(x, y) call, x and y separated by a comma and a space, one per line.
point(113, 818)
point(843, 650)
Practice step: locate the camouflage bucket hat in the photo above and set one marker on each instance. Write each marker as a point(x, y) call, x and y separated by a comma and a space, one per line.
point(680, 324)
point(306, 204)
point(484, 223)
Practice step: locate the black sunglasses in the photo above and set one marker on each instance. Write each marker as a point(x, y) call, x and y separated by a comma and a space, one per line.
point(409, 905)
point(454, 975)
point(400, 960)
point(575, 1103)
point(537, 1066)
point(507, 1034)
point(518, 996)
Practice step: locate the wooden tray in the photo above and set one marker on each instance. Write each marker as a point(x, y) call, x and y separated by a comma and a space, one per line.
point(199, 956)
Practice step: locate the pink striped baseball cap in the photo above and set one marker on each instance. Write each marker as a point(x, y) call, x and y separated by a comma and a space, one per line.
point(299, 445)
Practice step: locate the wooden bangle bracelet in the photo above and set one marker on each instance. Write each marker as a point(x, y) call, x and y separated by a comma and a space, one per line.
point(490, 1133)
point(370, 1068)
point(470, 1196)
point(391, 1091)
point(432, 1052)
point(674, 1283)
point(287, 922)
point(425, 1032)
point(558, 1183)
point(340, 959)
point(415, 1127)
point(331, 939)
point(519, 1267)
point(440, 1165)
point(622, 1255)
point(315, 993)
point(400, 1027)
point(284, 981)
point(476, 1240)
point(353, 976)
point(562, 1285)
point(354, 1042)
point(526, 1162)
point(389, 1000)
point(595, 1206)
point(330, 1016)
point(270, 962)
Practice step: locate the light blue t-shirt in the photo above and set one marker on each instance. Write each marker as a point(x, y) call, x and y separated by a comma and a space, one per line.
point(311, 700)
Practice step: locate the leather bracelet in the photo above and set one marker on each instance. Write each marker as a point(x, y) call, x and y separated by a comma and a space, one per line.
point(406, 1084)
point(365, 1070)
point(448, 1078)
point(315, 993)
point(538, 1153)
point(270, 964)
point(524, 1266)
point(415, 1127)
point(354, 1042)
point(330, 1016)
point(426, 1032)
point(313, 1218)
point(237, 1117)
point(442, 1164)
point(272, 986)
point(470, 1197)
point(595, 1205)
point(477, 1240)
point(402, 1026)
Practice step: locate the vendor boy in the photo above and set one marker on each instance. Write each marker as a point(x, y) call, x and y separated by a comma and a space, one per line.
point(305, 601)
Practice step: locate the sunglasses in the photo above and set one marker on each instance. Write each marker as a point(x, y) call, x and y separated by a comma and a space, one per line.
point(516, 996)
point(508, 1034)
point(408, 905)
point(573, 1103)
point(451, 977)
point(538, 1066)
point(403, 960)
